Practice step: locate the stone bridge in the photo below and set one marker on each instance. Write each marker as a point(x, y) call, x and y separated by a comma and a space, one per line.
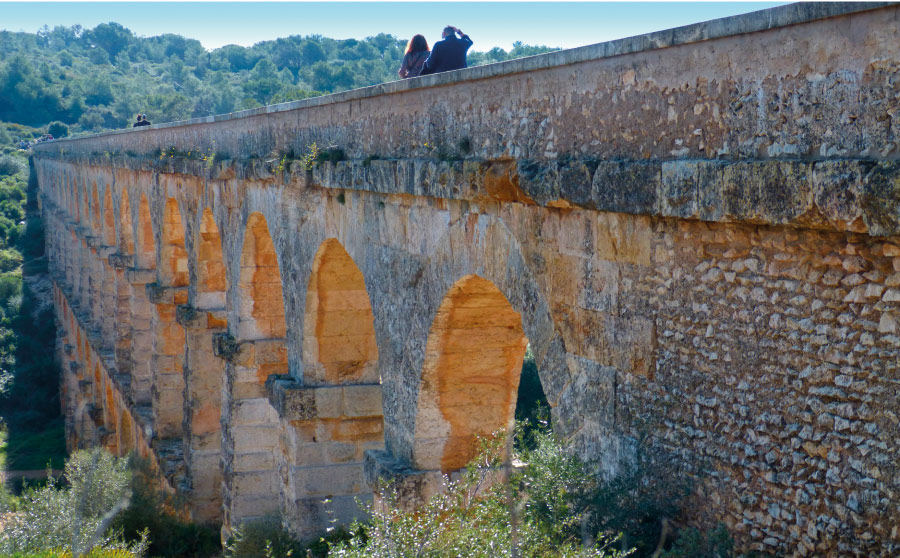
point(697, 232)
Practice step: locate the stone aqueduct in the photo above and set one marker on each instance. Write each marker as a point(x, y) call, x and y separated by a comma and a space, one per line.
point(697, 231)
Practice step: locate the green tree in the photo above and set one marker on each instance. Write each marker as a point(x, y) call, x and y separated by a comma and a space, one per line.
point(111, 37)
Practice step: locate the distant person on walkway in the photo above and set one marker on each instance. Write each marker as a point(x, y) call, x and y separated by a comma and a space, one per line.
point(414, 59)
point(449, 53)
point(141, 121)
point(144, 121)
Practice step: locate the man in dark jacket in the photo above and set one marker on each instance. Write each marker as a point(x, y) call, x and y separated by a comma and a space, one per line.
point(448, 53)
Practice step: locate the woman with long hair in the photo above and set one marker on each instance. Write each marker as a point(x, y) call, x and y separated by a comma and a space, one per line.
point(414, 59)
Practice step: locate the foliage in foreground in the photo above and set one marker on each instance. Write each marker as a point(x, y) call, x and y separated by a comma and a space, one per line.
point(72, 520)
point(152, 514)
point(553, 506)
point(267, 538)
point(536, 514)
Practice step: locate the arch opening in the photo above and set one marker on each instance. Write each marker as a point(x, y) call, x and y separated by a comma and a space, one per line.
point(339, 327)
point(531, 401)
point(146, 252)
point(174, 256)
point(76, 199)
point(470, 378)
point(262, 306)
point(126, 434)
point(126, 230)
point(109, 219)
point(96, 226)
point(85, 204)
point(212, 283)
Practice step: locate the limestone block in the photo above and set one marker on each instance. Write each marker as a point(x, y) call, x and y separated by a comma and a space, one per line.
point(362, 401)
point(250, 461)
point(329, 480)
point(137, 276)
point(253, 439)
point(252, 412)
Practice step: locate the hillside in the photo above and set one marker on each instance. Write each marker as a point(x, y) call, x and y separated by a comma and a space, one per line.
point(96, 79)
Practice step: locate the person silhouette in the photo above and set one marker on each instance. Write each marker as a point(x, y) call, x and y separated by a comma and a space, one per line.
point(449, 53)
point(414, 59)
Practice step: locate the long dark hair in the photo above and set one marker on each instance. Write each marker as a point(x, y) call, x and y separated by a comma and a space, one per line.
point(417, 44)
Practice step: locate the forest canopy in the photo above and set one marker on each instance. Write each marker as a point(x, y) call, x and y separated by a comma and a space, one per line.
point(96, 79)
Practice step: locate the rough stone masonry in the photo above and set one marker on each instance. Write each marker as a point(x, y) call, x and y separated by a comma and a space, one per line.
point(697, 231)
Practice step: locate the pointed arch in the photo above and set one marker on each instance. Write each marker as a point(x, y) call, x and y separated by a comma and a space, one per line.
point(338, 328)
point(109, 219)
point(212, 282)
point(262, 303)
point(174, 256)
point(473, 361)
point(126, 230)
point(145, 248)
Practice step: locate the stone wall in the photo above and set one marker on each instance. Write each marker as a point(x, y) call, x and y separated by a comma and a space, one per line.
point(696, 231)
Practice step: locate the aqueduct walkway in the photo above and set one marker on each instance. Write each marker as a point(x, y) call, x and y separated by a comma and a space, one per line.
point(697, 231)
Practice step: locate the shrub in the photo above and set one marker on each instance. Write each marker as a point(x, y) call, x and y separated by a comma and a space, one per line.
point(268, 539)
point(263, 538)
point(692, 543)
point(57, 129)
point(10, 165)
point(9, 260)
point(648, 488)
point(538, 512)
point(74, 519)
point(152, 512)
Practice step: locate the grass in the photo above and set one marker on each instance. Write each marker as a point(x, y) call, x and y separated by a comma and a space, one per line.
point(22, 450)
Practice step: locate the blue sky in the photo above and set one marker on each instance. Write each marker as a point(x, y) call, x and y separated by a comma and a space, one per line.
point(489, 24)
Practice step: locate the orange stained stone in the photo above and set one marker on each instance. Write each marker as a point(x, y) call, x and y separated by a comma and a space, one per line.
point(473, 361)
point(340, 314)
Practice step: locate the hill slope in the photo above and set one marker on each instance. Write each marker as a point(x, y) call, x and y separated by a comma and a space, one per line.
point(95, 79)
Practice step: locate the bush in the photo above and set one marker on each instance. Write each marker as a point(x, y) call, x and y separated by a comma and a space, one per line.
point(10, 165)
point(74, 519)
point(57, 129)
point(474, 516)
point(263, 538)
point(649, 488)
point(693, 543)
point(268, 539)
point(152, 512)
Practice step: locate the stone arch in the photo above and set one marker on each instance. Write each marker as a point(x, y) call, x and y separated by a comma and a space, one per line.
point(98, 388)
point(145, 247)
point(110, 408)
point(126, 230)
point(470, 376)
point(212, 282)
point(96, 226)
point(76, 199)
point(109, 219)
point(174, 265)
point(85, 203)
point(126, 433)
point(339, 333)
point(262, 304)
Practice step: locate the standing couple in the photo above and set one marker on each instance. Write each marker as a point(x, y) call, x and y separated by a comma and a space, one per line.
point(448, 54)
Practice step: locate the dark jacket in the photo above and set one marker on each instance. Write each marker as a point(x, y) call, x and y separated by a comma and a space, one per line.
point(448, 54)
